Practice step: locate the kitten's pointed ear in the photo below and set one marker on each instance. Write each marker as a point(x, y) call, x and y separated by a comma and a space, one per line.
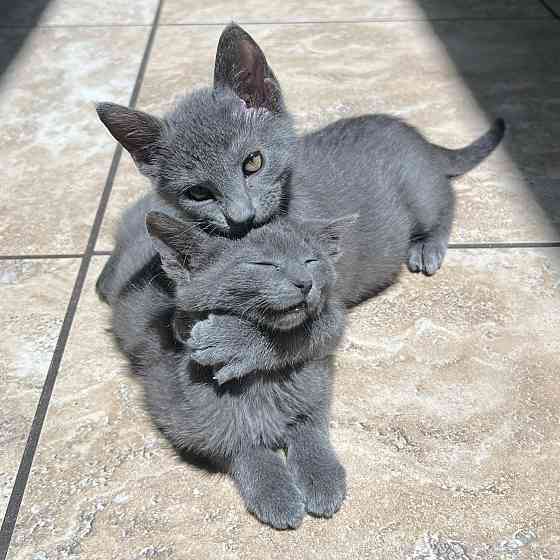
point(241, 66)
point(177, 243)
point(333, 233)
point(137, 132)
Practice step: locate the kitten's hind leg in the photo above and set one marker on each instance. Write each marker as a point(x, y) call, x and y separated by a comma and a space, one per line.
point(268, 489)
point(316, 468)
point(429, 246)
point(103, 283)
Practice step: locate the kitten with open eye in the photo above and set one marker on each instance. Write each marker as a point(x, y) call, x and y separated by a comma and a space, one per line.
point(228, 157)
point(278, 280)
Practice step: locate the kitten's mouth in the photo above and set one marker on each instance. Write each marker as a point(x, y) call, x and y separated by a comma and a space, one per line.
point(298, 307)
point(290, 317)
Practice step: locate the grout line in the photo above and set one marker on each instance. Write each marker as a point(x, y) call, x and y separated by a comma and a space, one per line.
point(242, 21)
point(33, 257)
point(289, 21)
point(18, 490)
point(550, 9)
point(74, 26)
point(461, 245)
point(505, 245)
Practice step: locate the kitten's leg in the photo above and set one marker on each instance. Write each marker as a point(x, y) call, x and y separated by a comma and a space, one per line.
point(316, 468)
point(268, 489)
point(427, 250)
point(103, 283)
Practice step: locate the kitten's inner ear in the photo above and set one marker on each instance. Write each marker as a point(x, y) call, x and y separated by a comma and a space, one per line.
point(241, 66)
point(136, 131)
point(333, 233)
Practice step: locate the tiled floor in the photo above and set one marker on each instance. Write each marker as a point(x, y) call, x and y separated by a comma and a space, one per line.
point(446, 413)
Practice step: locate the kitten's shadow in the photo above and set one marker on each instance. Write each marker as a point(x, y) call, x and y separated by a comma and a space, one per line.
point(200, 463)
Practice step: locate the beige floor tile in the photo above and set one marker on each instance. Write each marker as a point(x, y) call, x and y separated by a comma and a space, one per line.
point(223, 11)
point(34, 295)
point(85, 12)
point(406, 69)
point(56, 155)
point(445, 416)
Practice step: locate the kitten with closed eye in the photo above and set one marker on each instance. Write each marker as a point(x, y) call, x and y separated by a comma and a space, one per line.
point(228, 157)
point(279, 280)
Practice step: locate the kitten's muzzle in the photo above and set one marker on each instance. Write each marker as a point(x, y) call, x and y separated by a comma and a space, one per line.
point(241, 221)
point(304, 285)
point(298, 307)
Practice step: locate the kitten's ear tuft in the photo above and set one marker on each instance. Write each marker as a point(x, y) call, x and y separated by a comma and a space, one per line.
point(170, 238)
point(181, 246)
point(136, 131)
point(241, 66)
point(332, 234)
point(181, 325)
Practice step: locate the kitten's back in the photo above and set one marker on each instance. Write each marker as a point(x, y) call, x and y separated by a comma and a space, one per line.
point(356, 166)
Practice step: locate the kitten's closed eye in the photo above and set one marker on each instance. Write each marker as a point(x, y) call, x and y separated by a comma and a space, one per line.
point(263, 263)
point(311, 261)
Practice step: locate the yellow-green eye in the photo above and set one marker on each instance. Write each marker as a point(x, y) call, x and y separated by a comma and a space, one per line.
point(253, 162)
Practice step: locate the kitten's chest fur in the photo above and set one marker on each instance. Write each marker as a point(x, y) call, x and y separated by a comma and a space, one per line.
point(258, 410)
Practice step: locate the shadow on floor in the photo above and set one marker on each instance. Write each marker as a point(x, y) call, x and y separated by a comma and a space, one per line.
point(512, 68)
point(17, 19)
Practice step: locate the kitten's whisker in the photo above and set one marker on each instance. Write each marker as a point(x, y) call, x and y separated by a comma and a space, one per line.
point(161, 273)
point(252, 304)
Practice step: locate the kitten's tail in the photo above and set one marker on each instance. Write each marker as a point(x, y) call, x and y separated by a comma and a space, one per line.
point(458, 162)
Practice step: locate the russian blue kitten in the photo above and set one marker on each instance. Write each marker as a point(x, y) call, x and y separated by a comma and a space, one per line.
point(228, 157)
point(279, 280)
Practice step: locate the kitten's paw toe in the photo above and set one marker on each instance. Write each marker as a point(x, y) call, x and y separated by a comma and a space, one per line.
point(326, 495)
point(432, 256)
point(414, 262)
point(281, 508)
point(229, 372)
point(204, 356)
point(324, 485)
point(201, 334)
point(426, 257)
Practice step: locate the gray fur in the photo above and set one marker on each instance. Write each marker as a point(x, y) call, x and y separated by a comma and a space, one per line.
point(265, 383)
point(374, 165)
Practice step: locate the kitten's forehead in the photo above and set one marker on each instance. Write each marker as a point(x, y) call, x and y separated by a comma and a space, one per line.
point(214, 118)
point(280, 238)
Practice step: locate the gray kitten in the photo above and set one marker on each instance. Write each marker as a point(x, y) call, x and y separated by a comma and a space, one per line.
point(278, 280)
point(228, 157)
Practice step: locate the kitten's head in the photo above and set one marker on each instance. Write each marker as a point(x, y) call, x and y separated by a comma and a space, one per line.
point(277, 276)
point(223, 155)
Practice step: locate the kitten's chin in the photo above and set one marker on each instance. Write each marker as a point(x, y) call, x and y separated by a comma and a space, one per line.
point(294, 317)
point(288, 320)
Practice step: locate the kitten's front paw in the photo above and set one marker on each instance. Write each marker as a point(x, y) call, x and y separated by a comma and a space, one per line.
point(217, 342)
point(232, 371)
point(324, 483)
point(426, 256)
point(210, 343)
point(280, 505)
